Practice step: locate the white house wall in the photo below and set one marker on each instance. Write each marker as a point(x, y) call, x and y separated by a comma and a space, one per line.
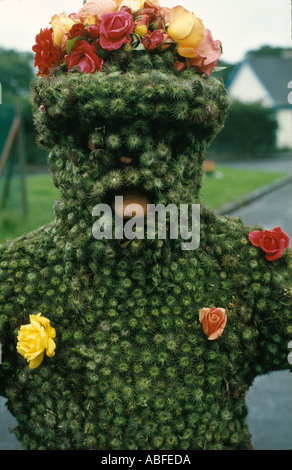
point(247, 88)
point(284, 134)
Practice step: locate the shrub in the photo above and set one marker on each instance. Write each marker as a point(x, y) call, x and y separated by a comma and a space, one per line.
point(250, 130)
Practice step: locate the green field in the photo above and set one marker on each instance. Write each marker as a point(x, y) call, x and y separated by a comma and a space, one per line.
point(225, 186)
point(232, 184)
point(41, 194)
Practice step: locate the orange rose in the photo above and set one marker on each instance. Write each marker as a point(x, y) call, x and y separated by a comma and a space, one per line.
point(213, 321)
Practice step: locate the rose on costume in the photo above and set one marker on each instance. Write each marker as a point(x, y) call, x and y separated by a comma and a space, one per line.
point(77, 30)
point(94, 30)
point(84, 56)
point(35, 339)
point(179, 64)
point(213, 321)
point(133, 5)
point(141, 25)
point(147, 17)
point(110, 24)
point(115, 29)
point(208, 54)
point(96, 8)
point(185, 28)
point(149, 10)
point(61, 25)
point(272, 242)
point(153, 40)
point(46, 53)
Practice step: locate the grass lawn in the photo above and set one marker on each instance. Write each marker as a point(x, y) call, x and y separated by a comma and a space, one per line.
point(41, 194)
point(228, 185)
point(225, 186)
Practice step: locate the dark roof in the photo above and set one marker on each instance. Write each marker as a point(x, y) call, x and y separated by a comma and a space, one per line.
point(275, 73)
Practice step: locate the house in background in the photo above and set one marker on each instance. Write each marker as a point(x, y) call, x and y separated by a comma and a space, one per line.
point(266, 79)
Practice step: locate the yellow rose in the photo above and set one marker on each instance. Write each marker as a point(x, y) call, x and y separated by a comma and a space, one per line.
point(186, 29)
point(35, 339)
point(89, 20)
point(61, 25)
point(141, 30)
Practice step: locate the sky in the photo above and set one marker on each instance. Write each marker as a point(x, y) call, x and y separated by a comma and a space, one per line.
point(241, 25)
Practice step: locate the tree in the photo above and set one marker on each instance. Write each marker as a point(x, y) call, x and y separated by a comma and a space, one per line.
point(249, 131)
point(16, 74)
point(268, 51)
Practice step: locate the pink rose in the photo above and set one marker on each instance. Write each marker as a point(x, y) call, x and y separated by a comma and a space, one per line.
point(84, 55)
point(207, 54)
point(115, 29)
point(272, 242)
point(97, 8)
point(213, 321)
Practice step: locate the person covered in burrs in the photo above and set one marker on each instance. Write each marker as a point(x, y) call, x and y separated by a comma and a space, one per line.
point(119, 343)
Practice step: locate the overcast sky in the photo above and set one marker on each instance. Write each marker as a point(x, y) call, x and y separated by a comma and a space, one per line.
point(241, 25)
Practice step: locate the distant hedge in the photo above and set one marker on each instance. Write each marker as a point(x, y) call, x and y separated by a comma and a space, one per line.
point(250, 130)
point(16, 74)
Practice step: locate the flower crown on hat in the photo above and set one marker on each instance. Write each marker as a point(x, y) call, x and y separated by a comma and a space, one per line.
point(80, 41)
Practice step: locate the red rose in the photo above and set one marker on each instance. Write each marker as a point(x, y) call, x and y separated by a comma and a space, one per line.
point(115, 29)
point(272, 242)
point(78, 29)
point(154, 39)
point(94, 30)
point(46, 53)
point(84, 55)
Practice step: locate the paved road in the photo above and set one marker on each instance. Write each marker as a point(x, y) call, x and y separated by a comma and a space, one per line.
point(8, 440)
point(269, 398)
point(282, 162)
